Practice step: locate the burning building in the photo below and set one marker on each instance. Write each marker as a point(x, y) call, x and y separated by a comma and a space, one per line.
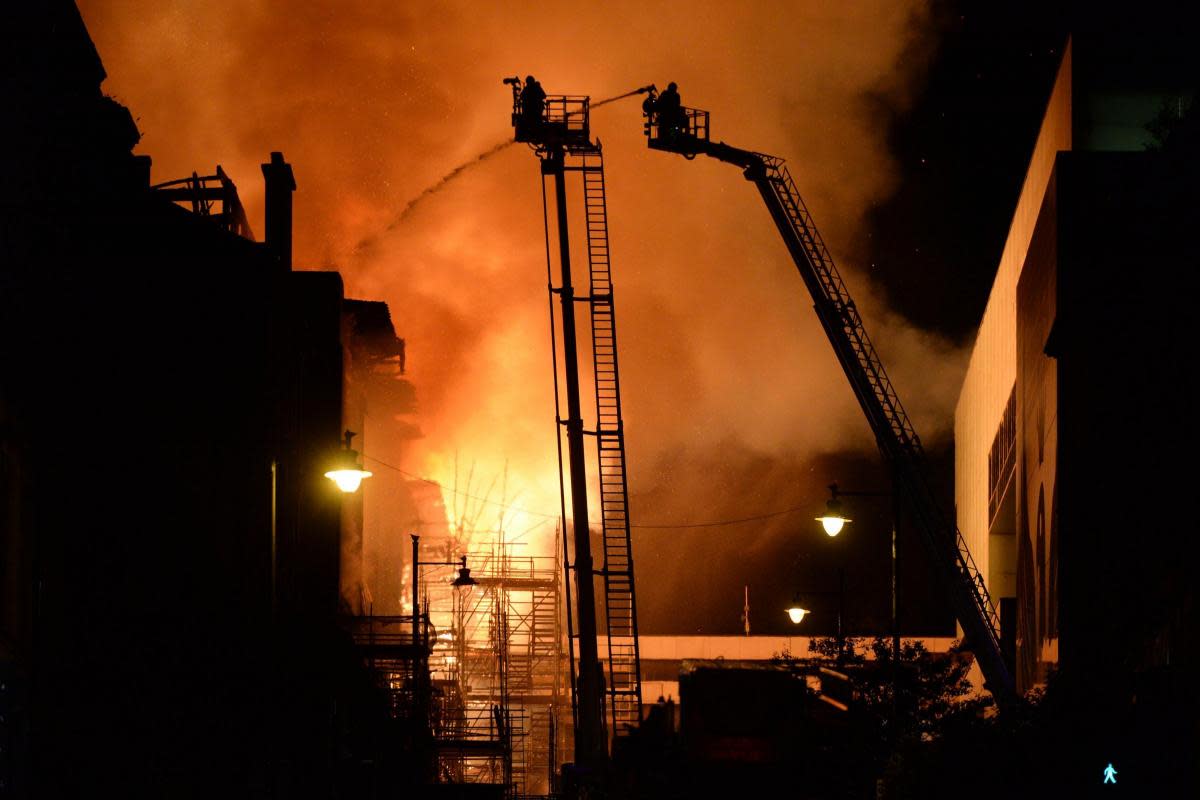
point(1073, 418)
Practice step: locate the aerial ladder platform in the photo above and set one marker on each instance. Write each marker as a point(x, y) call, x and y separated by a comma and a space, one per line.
point(685, 131)
point(558, 132)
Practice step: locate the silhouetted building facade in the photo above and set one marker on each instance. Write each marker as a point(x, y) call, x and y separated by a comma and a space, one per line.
point(171, 394)
point(377, 398)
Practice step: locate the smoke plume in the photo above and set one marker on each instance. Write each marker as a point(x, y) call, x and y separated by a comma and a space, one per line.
point(731, 392)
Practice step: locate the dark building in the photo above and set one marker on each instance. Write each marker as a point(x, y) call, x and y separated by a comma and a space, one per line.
point(1074, 429)
point(171, 394)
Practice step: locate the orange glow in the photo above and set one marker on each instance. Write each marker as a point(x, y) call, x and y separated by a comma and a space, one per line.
point(728, 383)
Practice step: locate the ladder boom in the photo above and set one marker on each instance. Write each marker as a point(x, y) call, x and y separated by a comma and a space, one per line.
point(557, 129)
point(894, 433)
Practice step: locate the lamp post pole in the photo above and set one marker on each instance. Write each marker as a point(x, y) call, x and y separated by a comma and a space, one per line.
point(834, 515)
point(895, 606)
point(416, 592)
point(274, 541)
point(841, 631)
point(421, 644)
point(797, 614)
point(464, 579)
point(418, 677)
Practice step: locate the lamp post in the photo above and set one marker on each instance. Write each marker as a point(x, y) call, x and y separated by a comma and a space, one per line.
point(461, 580)
point(796, 612)
point(833, 520)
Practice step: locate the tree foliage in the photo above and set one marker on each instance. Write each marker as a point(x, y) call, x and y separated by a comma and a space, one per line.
point(895, 706)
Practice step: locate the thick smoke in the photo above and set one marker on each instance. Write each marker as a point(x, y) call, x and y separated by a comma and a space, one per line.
point(731, 391)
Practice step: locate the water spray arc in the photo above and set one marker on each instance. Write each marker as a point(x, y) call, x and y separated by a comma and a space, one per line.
point(478, 159)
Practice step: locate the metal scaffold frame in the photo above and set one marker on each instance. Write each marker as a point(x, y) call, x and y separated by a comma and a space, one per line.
point(498, 670)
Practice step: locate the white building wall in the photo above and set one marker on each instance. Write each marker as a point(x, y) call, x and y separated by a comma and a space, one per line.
point(992, 369)
point(729, 648)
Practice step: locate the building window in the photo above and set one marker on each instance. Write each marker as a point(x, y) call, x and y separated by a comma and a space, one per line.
point(1002, 456)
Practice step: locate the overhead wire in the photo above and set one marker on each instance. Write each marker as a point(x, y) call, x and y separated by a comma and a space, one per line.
point(665, 526)
point(562, 494)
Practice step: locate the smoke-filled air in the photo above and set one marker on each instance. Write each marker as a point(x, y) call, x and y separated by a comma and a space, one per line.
point(396, 122)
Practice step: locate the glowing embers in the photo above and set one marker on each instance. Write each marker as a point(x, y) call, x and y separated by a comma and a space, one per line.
point(348, 474)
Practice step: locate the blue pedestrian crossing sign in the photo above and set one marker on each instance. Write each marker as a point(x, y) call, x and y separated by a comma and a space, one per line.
point(1110, 774)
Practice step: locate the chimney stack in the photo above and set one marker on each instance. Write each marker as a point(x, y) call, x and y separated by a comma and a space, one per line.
point(280, 185)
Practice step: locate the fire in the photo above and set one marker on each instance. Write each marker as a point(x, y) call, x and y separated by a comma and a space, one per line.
point(725, 372)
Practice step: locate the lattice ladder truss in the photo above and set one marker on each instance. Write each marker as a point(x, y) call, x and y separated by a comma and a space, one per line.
point(620, 606)
point(896, 436)
point(894, 433)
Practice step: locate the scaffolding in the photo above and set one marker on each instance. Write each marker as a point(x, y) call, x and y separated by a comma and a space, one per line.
point(504, 665)
point(480, 674)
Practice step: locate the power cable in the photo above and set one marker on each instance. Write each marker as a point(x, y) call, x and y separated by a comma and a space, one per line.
point(674, 526)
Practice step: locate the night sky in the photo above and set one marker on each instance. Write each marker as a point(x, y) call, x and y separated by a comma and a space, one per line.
point(963, 149)
point(934, 245)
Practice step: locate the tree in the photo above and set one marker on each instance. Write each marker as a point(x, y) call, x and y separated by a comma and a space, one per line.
point(934, 696)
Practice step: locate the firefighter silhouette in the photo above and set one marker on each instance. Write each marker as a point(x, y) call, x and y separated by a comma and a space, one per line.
point(671, 117)
point(533, 101)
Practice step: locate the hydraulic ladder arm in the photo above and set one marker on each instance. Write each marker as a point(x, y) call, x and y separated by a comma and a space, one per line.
point(898, 442)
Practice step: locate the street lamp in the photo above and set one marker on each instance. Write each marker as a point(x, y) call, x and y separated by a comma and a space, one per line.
point(464, 575)
point(462, 580)
point(796, 612)
point(348, 474)
point(833, 520)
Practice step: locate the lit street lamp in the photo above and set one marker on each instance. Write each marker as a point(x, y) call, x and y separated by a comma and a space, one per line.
point(462, 580)
point(796, 612)
point(348, 474)
point(834, 520)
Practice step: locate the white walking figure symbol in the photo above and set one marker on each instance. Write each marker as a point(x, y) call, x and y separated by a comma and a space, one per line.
point(1110, 774)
